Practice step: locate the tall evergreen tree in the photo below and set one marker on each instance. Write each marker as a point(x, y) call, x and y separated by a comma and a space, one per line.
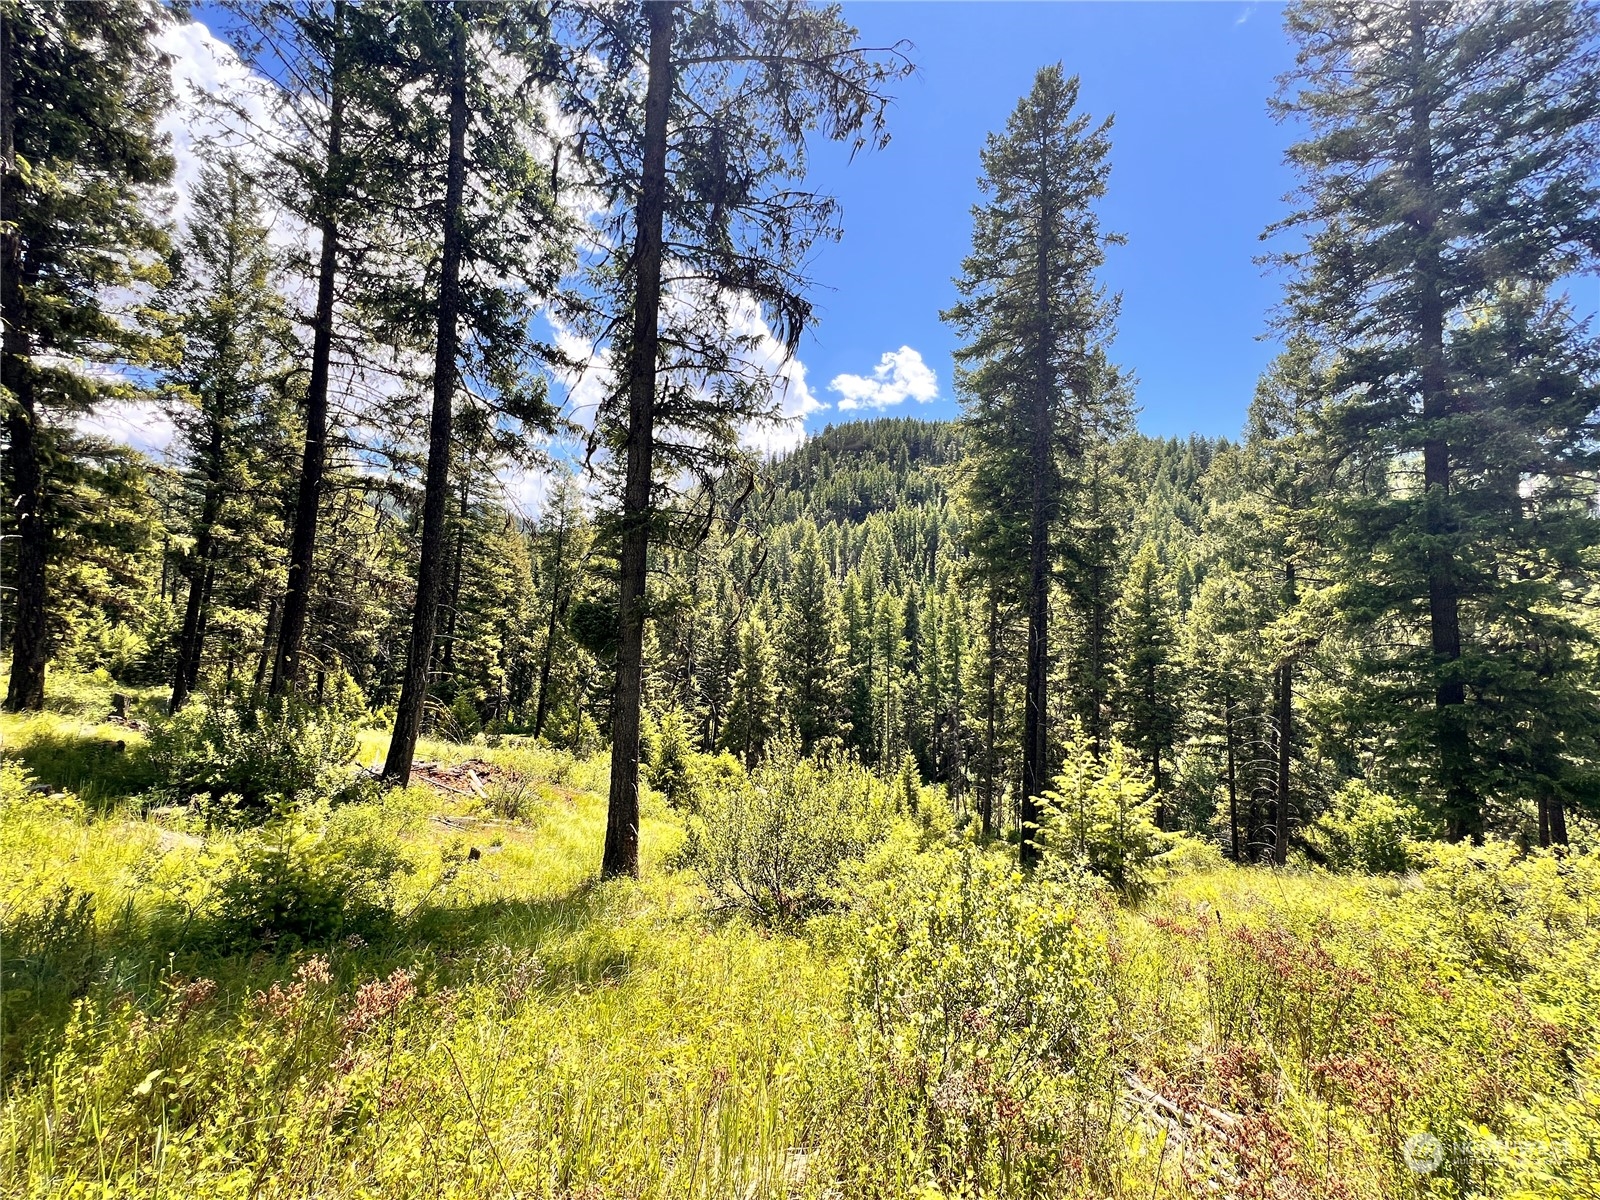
point(699, 171)
point(1149, 702)
point(1036, 387)
point(1452, 149)
point(82, 88)
point(753, 714)
point(811, 647)
point(500, 250)
point(230, 417)
point(319, 135)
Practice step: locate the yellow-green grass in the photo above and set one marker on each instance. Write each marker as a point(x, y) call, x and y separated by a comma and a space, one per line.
point(520, 1029)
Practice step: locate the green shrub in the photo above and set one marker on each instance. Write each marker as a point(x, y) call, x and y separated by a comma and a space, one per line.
point(309, 878)
point(669, 753)
point(1498, 908)
point(772, 842)
point(20, 796)
point(979, 998)
point(1100, 818)
point(245, 759)
point(1366, 830)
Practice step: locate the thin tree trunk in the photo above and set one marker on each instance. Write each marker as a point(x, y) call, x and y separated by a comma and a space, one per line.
point(542, 712)
point(1151, 697)
point(992, 700)
point(1233, 788)
point(1285, 723)
point(191, 638)
point(453, 609)
point(1284, 719)
point(269, 637)
point(287, 667)
point(1464, 812)
point(436, 485)
point(622, 815)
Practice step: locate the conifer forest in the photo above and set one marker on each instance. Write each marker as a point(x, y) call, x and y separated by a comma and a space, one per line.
point(495, 743)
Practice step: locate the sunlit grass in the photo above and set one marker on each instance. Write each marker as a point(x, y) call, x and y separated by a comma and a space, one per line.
point(514, 1027)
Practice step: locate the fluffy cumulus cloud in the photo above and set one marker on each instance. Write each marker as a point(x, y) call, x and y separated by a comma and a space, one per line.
point(205, 66)
point(140, 424)
point(900, 375)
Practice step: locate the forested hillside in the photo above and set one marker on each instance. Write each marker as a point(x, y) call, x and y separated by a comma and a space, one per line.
point(483, 744)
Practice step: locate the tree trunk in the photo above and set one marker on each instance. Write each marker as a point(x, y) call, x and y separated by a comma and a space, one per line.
point(269, 637)
point(191, 638)
point(1552, 822)
point(1283, 718)
point(1233, 788)
point(1285, 731)
point(314, 459)
point(622, 815)
point(29, 649)
point(1034, 725)
point(992, 699)
point(453, 609)
point(1464, 816)
point(542, 712)
point(436, 485)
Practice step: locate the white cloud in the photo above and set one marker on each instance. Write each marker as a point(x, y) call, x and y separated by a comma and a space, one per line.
point(900, 375)
point(142, 424)
point(205, 66)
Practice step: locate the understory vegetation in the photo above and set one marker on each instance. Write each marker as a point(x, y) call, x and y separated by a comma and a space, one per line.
point(410, 993)
point(473, 740)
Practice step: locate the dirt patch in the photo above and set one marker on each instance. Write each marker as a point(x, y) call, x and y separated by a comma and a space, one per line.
point(470, 778)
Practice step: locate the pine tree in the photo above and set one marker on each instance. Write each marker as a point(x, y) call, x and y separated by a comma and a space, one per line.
point(230, 415)
point(753, 715)
point(1150, 712)
point(82, 88)
point(1036, 388)
point(1451, 150)
point(704, 160)
point(811, 648)
point(494, 267)
point(320, 140)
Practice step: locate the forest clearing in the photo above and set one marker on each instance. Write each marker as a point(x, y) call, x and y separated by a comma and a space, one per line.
point(478, 722)
point(451, 1005)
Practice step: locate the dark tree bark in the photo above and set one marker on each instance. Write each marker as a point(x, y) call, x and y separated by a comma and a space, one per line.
point(1552, 822)
point(622, 817)
point(557, 606)
point(286, 670)
point(1465, 817)
point(436, 486)
point(1233, 786)
point(1285, 731)
point(191, 639)
point(269, 638)
point(992, 698)
point(29, 648)
point(447, 665)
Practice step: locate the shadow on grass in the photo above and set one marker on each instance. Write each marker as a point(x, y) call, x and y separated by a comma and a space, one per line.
point(100, 767)
point(576, 935)
point(68, 948)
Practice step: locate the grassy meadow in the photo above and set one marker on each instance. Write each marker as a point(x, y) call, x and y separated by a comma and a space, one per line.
point(427, 993)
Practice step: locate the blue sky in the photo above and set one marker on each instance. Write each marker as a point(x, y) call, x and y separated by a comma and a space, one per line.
point(1197, 175)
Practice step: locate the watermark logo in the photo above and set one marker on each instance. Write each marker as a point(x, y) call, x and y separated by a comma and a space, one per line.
point(1423, 1153)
